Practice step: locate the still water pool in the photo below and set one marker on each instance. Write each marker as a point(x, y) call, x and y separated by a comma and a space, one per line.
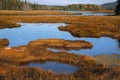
point(55, 67)
point(33, 31)
point(89, 13)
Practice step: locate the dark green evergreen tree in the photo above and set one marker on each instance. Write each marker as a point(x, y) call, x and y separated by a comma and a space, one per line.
point(118, 8)
point(119, 43)
point(26, 5)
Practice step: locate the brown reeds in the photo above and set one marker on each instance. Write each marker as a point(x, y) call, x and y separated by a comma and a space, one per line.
point(8, 24)
point(85, 26)
point(90, 69)
point(38, 12)
point(61, 43)
point(4, 43)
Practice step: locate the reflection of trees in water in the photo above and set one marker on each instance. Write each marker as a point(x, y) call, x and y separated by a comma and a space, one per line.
point(119, 43)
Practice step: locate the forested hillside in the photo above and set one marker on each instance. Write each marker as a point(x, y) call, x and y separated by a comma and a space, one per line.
point(75, 7)
point(110, 6)
point(26, 5)
point(14, 5)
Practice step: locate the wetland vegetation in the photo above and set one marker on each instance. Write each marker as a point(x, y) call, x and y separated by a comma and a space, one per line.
point(16, 56)
point(76, 33)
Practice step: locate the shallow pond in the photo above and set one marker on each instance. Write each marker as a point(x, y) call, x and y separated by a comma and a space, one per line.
point(89, 13)
point(55, 67)
point(33, 31)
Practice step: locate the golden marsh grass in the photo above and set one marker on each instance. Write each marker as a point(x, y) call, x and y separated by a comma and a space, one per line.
point(90, 69)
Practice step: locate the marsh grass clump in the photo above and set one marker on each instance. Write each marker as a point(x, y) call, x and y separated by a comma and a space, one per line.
point(33, 12)
point(94, 27)
point(109, 60)
point(8, 24)
point(18, 73)
point(4, 43)
point(80, 26)
point(22, 74)
point(89, 69)
point(36, 51)
point(61, 43)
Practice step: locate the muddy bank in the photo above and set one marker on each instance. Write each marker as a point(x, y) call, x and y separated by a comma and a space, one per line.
point(61, 43)
point(109, 60)
point(4, 43)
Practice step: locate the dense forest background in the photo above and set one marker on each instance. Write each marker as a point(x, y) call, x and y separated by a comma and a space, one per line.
point(26, 5)
point(118, 8)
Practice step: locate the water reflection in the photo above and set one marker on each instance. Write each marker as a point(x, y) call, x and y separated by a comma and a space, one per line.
point(32, 31)
point(103, 45)
point(89, 13)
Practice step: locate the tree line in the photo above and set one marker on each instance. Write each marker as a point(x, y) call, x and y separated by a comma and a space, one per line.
point(118, 8)
point(26, 5)
point(14, 4)
point(73, 7)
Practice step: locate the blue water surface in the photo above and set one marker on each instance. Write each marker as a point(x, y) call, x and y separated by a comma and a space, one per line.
point(33, 31)
point(55, 67)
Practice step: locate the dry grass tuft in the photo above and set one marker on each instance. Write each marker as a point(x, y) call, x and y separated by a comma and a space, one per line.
point(8, 24)
point(40, 12)
point(90, 26)
point(61, 43)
